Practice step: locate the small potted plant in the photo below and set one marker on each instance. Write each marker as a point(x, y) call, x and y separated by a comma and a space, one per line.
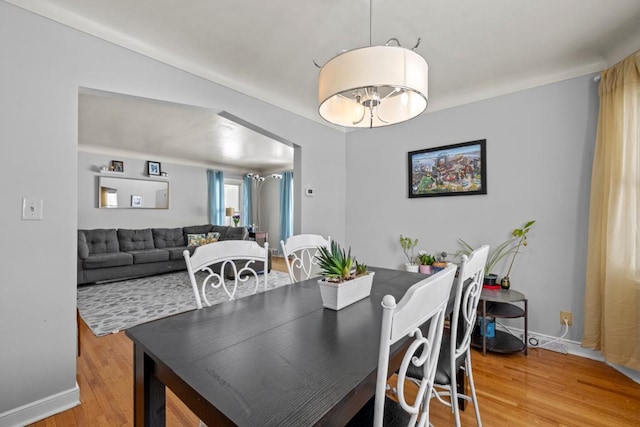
point(511, 246)
point(440, 263)
point(345, 280)
point(236, 219)
point(408, 244)
point(426, 260)
point(520, 235)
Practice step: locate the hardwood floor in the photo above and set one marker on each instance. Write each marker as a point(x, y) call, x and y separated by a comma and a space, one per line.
point(542, 389)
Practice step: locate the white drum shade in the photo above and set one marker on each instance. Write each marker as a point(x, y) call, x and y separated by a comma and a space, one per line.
point(373, 86)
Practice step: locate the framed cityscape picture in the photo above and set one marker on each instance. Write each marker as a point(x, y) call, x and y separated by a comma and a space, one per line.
point(450, 170)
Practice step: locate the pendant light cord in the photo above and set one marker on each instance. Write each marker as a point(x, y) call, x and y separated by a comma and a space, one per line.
point(370, 20)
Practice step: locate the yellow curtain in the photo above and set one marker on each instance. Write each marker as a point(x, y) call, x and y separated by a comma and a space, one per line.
point(612, 297)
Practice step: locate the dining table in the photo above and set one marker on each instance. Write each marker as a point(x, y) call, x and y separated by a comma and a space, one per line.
point(276, 358)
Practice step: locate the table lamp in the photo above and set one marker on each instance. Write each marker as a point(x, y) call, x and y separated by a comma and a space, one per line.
point(228, 212)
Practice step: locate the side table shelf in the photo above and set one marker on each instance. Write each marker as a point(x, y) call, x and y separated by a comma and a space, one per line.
point(501, 304)
point(259, 236)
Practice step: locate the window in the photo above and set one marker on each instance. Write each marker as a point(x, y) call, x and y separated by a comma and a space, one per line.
point(233, 194)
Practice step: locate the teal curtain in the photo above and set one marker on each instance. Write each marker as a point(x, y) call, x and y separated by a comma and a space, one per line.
point(286, 205)
point(247, 200)
point(215, 180)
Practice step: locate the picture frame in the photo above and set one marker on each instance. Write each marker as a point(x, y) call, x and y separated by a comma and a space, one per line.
point(153, 168)
point(136, 201)
point(116, 166)
point(448, 170)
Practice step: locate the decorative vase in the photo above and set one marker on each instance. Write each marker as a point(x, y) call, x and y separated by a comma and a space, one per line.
point(425, 269)
point(505, 283)
point(336, 296)
point(438, 266)
point(413, 268)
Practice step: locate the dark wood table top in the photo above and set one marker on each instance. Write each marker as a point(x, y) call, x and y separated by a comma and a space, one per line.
point(276, 358)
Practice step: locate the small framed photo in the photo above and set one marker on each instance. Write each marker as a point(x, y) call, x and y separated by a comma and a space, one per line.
point(116, 166)
point(136, 201)
point(153, 168)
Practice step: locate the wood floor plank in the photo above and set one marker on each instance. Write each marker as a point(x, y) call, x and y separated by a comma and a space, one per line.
point(542, 389)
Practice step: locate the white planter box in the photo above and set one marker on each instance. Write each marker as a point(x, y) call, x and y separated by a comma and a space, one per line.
point(339, 295)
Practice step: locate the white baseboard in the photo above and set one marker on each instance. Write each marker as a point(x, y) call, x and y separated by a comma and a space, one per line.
point(574, 348)
point(40, 409)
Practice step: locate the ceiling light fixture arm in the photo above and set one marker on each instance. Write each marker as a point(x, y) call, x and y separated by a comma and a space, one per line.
point(393, 39)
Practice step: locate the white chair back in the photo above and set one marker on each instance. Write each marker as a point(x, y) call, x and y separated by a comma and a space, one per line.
point(235, 258)
point(426, 301)
point(466, 299)
point(467, 294)
point(300, 253)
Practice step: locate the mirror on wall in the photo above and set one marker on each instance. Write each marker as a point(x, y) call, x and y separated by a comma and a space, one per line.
point(131, 193)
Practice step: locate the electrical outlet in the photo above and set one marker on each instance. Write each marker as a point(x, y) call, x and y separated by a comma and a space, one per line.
point(566, 315)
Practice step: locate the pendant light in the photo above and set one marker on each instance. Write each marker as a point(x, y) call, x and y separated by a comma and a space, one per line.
point(373, 86)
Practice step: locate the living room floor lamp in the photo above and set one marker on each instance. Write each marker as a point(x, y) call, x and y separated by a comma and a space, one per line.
point(373, 86)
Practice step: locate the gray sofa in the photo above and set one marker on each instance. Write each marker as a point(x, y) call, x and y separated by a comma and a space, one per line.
point(112, 254)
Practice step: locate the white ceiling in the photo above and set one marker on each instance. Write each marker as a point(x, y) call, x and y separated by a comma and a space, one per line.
point(139, 127)
point(475, 49)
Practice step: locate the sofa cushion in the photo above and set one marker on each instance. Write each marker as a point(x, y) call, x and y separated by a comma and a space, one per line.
point(98, 241)
point(176, 253)
point(149, 255)
point(135, 240)
point(222, 229)
point(113, 259)
point(196, 239)
point(83, 248)
point(195, 229)
point(237, 233)
point(168, 237)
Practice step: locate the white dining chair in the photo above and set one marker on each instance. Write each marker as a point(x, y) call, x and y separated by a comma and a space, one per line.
point(300, 253)
point(457, 343)
point(455, 352)
point(228, 263)
point(425, 302)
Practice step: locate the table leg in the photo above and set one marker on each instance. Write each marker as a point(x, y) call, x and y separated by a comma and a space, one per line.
point(148, 392)
point(462, 388)
point(483, 326)
point(526, 328)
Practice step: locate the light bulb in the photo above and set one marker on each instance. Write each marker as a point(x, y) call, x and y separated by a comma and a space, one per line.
point(404, 98)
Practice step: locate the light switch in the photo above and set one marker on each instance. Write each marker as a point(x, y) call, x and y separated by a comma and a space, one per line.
point(32, 209)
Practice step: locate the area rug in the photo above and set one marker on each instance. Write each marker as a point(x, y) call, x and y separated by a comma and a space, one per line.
point(111, 307)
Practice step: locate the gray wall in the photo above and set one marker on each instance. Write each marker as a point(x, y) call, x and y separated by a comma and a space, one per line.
point(270, 201)
point(539, 152)
point(187, 196)
point(44, 65)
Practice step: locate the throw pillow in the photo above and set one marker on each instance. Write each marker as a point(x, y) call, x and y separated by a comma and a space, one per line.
point(196, 239)
point(212, 237)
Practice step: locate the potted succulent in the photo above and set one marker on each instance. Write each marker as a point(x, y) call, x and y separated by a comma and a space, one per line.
point(511, 246)
point(345, 280)
point(408, 244)
point(426, 260)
